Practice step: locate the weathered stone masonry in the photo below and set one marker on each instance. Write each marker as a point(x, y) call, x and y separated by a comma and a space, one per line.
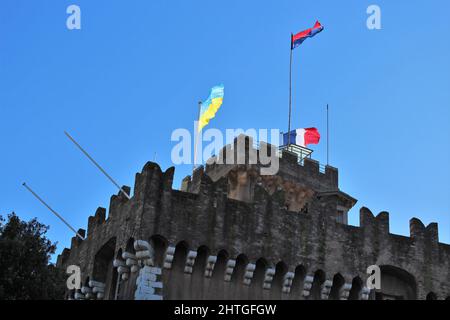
point(230, 233)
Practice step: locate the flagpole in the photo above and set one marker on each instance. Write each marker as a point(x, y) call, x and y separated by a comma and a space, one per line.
point(290, 94)
point(53, 211)
point(97, 165)
point(196, 135)
point(328, 139)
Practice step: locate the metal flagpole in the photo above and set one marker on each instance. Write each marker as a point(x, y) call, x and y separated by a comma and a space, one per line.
point(53, 211)
point(196, 135)
point(328, 140)
point(290, 93)
point(97, 165)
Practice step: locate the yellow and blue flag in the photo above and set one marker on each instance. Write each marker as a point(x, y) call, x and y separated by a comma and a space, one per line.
point(210, 106)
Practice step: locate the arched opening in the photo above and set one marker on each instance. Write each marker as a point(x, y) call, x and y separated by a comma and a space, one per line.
point(119, 254)
point(103, 266)
point(355, 291)
point(277, 282)
point(130, 246)
point(198, 269)
point(338, 283)
point(239, 270)
point(237, 278)
point(297, 282)
point(316, 288)
point(216, 290)
point(256, 285)
point(159, 244)
point(198, 272)
point(431, 296)
point(396, 284)
point(86, 282)
point(176, 284)
point(219, 269)
point(179, 257)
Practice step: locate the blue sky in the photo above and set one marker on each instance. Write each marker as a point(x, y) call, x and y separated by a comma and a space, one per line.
point(136, 70)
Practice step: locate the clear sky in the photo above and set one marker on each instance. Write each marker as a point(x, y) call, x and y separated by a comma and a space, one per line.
point(136, 69)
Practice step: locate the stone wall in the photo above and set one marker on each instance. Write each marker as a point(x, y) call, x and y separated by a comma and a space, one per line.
point(211, 246)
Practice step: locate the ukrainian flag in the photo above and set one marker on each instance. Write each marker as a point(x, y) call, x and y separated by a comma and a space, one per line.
point(210, 106)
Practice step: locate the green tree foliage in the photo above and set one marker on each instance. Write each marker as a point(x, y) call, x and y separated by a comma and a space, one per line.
point(25, 271)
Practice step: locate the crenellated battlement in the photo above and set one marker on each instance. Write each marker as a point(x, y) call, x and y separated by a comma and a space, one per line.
point(97, 219)
point(367, 219)
point(243, 150)
point(418, 230)
point(294, 217)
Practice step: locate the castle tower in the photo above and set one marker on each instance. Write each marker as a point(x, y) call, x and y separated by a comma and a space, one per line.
point(232, 232)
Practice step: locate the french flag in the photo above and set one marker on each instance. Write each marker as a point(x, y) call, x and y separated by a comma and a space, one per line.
point(302, 137)
point(297, 39)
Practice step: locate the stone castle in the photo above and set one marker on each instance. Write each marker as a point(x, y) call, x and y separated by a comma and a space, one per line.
point(232, 233)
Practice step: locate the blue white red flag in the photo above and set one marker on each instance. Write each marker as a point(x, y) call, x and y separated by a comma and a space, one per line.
point(302, 137)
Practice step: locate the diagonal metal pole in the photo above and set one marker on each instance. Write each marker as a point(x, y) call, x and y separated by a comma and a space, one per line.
point(53, 211)
point(97, 165)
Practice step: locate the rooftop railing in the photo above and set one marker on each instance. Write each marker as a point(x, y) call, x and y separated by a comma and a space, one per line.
point(301, 152)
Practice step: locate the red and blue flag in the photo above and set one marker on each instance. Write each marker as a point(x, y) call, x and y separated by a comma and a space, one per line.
point(297, 39)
